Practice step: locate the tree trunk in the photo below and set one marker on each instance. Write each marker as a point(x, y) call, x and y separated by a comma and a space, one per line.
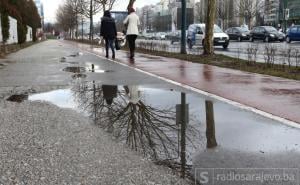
point(183, 27)
point(210, 125)
point(130, 4)
point(209, 28)
point(82, 29)
point(103, 7)
point(183, 134)
point(250, 23)
point(77, 25)
point(91, 21)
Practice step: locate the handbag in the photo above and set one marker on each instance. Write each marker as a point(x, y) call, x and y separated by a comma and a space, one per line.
point(117, 45)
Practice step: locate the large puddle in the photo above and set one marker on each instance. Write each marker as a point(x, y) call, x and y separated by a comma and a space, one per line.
point(151, 121)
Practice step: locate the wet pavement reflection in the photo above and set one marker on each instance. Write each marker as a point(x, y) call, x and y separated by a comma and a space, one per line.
point(178, 129)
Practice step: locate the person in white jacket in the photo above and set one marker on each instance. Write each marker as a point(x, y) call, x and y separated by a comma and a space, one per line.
point(132, 21)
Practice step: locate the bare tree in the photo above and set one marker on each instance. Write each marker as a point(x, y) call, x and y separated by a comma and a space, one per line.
point(221, 12)
point(209, 28)
point(89, 9)
point(249, 9)
point(106, 4)
point(77, 8)
point(130, 4)
point(66, 19)
point(200, 12)
point(145, 128)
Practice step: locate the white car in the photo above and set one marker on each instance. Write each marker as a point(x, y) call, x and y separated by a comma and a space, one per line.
point(196, 34)
point(160, 36)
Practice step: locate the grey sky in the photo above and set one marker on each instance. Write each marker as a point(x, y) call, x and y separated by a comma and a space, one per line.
point(50, 6)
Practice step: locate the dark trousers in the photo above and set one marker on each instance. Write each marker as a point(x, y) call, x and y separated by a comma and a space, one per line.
point(131, 42)
point(110, 43)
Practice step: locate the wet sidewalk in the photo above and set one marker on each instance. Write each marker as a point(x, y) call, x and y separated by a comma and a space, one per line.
point(277, 96)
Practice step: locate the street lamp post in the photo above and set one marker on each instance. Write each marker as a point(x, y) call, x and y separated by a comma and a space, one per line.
point(285, 15)
point(183, 27)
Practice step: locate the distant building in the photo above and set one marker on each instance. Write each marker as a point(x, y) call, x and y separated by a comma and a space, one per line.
point(40, 7)
point(29, 34)
point(119, 17)
point(271, 13)
point(175, 8)
point(289, 12)
point(294, 11)
point(84, 28)
point(13, 31)
point(162, 19)
point(227, 13)
point(165, 16)
point(200, 11)
point(147, 16)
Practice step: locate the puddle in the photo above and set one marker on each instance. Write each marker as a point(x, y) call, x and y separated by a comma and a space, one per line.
point(237, 79)
point(165, 99)
point(148, 120)
point(80, 70)
point(74, 69)
point(272, 80)
point(60, 98)
point(63, 59)
point(73, 62)
point(150, 57)
point(96, 69)
point(281, 91)
point(79, 76)
point(101, 71)
point(19, 98)
point(76, 54)
point(4, 64)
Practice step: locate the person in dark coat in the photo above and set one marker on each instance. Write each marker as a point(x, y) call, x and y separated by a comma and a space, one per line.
point(109, 93)
point(108, 32)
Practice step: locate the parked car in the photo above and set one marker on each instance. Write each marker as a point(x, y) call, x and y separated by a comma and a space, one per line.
point(196, 34)
point(238, 33)
point(174, 36)
point(266, 33)
point(160, 36)
point(97, 38)
point(293, 34)
point(147, 36)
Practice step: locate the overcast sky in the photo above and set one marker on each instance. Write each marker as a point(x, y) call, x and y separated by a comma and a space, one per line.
point(50, 6)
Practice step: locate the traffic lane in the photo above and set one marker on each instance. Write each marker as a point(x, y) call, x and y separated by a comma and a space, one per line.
point(235, 50)
point(234, 45)
point(281, 46)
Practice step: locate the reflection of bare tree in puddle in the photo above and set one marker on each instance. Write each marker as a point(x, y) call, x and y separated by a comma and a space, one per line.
point(147, 129)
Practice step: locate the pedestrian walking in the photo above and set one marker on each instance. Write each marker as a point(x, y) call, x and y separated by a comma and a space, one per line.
point(109, 33)
point(132, 21)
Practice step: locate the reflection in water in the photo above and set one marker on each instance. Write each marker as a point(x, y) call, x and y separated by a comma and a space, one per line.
point(145, 119)
point(183, 124)
point(109, 93)
point(207, 73)
point(145, 128)
point(210, 125)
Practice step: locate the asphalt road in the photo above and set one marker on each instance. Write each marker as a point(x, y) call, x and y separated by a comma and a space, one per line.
point(239, 49)
point(51, 137)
